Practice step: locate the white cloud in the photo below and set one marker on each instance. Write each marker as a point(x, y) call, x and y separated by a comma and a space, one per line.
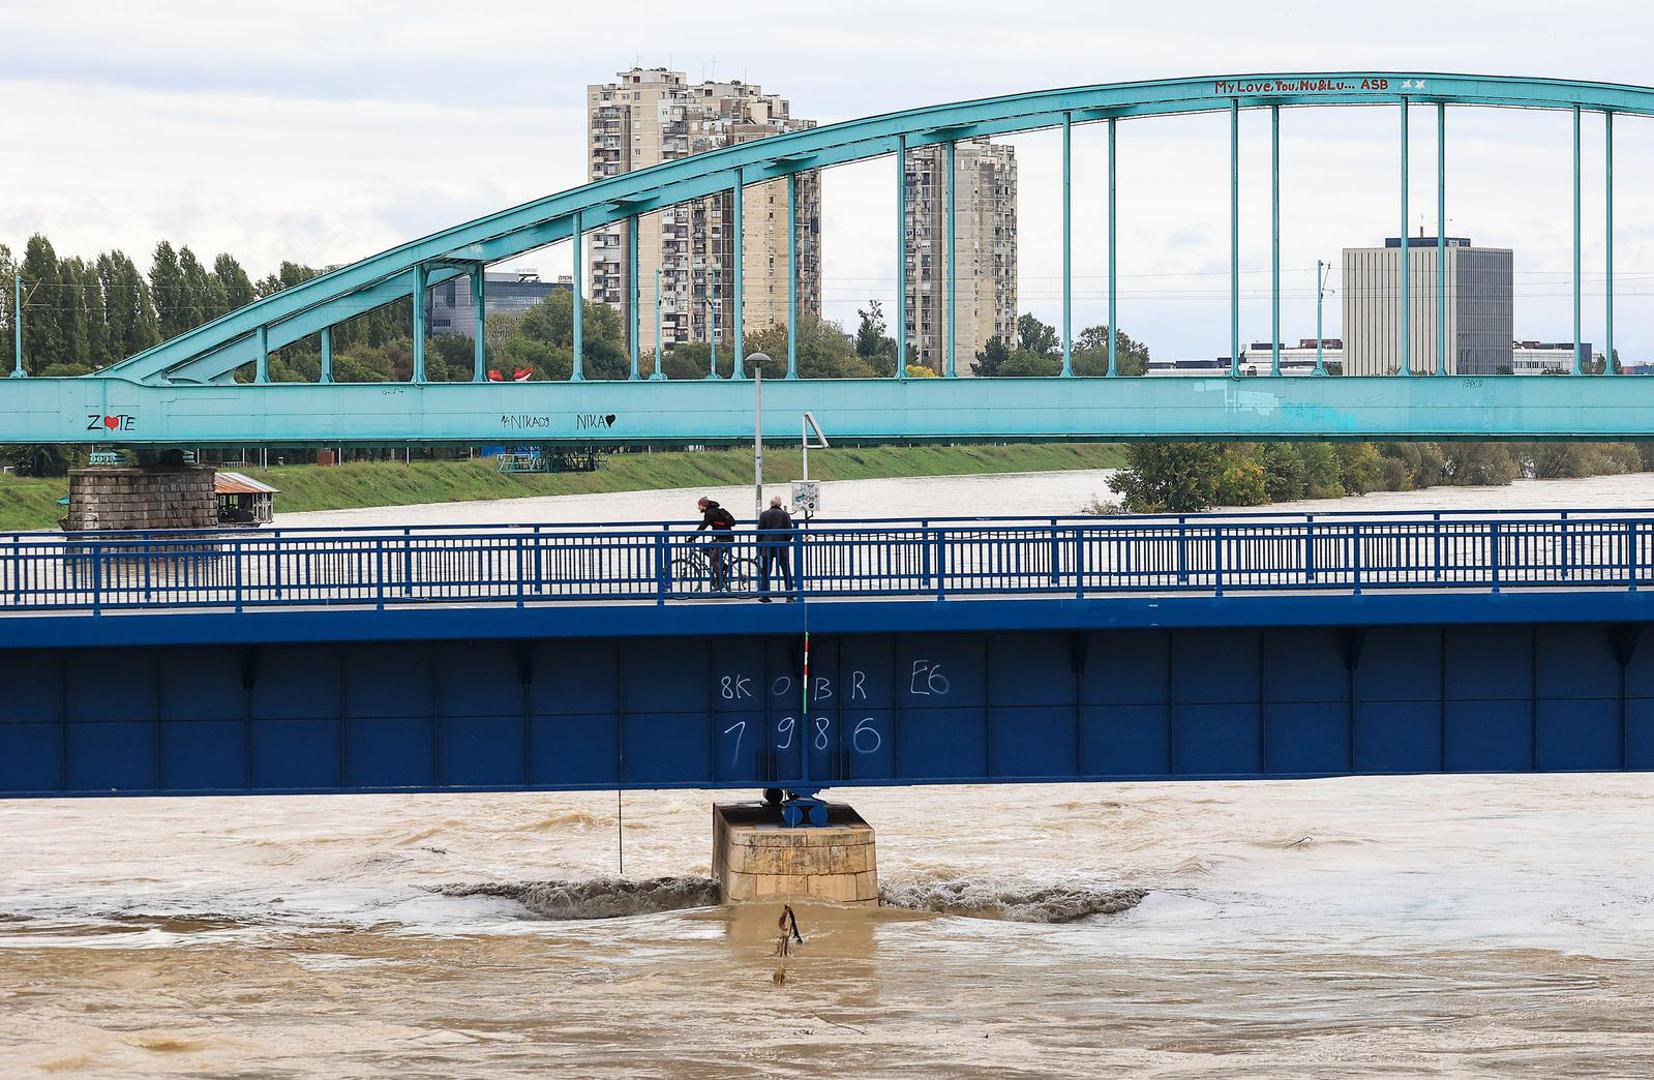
point(321, 132)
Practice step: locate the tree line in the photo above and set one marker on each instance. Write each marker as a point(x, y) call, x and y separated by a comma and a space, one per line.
point(1190, 477)
point(80, 315)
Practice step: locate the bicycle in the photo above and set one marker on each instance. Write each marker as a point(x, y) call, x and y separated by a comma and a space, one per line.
point(692, 570)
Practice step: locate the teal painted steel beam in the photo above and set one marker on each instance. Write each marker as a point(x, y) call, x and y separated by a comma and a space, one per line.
point(543, 221)
point(261, 373)
point(738, 350)
point(1067, 245)
point(479, 323)
point(327, 354)
point(901, 257)
point(1274, 239)
point(1441, 238)
point(420, 292)
point(1234, 237)
point(1404, 263)
point(659, 374)
point(1579, 336)
point(950, 166)
point(792, 276)
point(233, 354)
point(1609, 363)
point(633, 294)
point(1113, 253)
point(577, 370)
point(70, 411)
point(714, 295)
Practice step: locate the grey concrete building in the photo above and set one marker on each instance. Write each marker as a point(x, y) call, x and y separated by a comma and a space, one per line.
point(448, 307)
point(985, 227)
point(1479, 307)
point(653, 115)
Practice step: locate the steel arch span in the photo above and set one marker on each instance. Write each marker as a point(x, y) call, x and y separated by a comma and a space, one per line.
point(184, 391)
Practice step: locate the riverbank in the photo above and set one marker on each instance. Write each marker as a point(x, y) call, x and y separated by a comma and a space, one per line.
point(29, 503)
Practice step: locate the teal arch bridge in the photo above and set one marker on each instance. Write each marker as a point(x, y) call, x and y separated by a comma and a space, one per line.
point(566, 657)
point(184, 392)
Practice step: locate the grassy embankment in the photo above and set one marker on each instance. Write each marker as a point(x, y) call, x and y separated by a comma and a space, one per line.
point(27, 503)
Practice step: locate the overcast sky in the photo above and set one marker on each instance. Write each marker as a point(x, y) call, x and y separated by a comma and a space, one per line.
point(322, 132)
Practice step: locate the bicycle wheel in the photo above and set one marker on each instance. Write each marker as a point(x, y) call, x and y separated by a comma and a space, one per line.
point(743, 575)
point(689, 575)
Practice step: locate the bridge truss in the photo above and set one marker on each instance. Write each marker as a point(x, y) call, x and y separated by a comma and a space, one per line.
point(185, 391)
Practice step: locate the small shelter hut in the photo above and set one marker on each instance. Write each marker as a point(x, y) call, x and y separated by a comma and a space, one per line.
point(243, 500)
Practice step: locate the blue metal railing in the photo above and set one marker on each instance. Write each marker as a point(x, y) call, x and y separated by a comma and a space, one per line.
point(1057, 556)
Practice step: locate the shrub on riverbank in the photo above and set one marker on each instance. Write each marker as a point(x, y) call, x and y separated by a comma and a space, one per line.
point(1188, 477)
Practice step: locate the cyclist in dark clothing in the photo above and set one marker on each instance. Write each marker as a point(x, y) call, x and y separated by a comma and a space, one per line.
point(722, 524)
point(774, 547)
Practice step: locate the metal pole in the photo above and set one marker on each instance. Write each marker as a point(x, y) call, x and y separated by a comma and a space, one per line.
point(712, 327)
point(1234, 237)
point(1609, 365)
point(901, 257)
point(1275, 239)
point(479, 323)
point(327, 354)
point(660, 344)
point(1578, 336)
point(1113, 263)
point(1067, 245)
point(1405, 263)
point(792, 275)
point(17, 325)
point(1320, 356)
point(757, 441)
point(1441, 238)
point(633, 289)
point(577, 372)
point(421, 278)
point(953, 267)
point(739, 350)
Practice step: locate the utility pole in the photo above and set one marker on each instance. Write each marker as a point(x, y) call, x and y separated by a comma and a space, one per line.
point(17, 324)
point(758, 362)
point(1321, 271)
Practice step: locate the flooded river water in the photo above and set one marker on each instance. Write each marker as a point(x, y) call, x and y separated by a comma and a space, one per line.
point(1421, 925)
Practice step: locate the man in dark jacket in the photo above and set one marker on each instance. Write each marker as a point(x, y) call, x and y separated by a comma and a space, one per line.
point(775, 528)
point(722, 524)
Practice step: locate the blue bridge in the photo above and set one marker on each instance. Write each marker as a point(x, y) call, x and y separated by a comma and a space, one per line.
point(210, 386)
point(563, 657)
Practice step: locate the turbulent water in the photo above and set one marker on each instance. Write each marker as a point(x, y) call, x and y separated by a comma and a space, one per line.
point(1443, 925)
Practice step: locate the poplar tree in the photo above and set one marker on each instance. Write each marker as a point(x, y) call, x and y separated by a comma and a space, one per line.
point(166, 286)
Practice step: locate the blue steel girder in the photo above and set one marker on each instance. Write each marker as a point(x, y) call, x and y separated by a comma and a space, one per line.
point(208, 352)
point(598, 412)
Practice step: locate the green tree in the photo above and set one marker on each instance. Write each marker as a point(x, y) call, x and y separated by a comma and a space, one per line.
point(233, 280)
point(992, 357)
point(204, 297)
point(1169, 477)
point(1091, 353)
point(1037, 338)
point(45, 338)
point(873, 343)
point(129, 308)
point(7, 341)
point(166, 287)
point(1285, 475)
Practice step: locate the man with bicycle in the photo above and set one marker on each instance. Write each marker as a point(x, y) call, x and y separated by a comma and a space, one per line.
point(722, 524)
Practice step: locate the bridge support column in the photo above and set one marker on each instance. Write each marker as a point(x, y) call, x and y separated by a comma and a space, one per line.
point(758, 858)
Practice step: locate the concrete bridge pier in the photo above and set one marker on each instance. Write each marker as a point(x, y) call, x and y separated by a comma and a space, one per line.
point(756, 856)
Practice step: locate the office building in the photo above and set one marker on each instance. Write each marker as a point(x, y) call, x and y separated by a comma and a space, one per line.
point(1550, 358)
point(652, 116)
point(1479, 307)
point(985, 216)
point(448, 307)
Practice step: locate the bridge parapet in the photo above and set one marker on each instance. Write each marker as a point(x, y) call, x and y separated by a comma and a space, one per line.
point(934, 559)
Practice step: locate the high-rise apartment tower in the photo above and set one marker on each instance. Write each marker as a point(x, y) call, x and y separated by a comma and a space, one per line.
point(654, 115)
point(985, 235)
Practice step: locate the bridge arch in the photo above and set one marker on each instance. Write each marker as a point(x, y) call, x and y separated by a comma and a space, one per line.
point(212, 352)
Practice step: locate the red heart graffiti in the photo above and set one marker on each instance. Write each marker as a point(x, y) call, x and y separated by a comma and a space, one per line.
point(111, 422)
